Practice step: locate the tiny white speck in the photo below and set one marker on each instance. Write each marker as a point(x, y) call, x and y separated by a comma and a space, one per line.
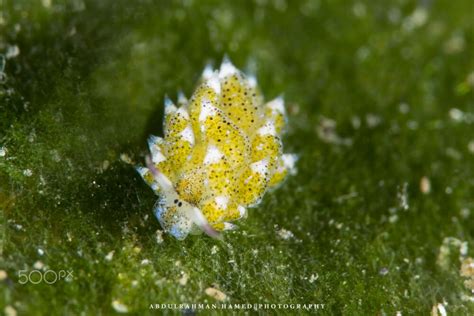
point(125, 158)
point(119, 307)
point(3, 151)
point(465, 212)
point(40, 251)
point(12, 51)
point(110, 255)
point(442, 309)
point(372, 120)
point(403, 108)
point(27, 172)
point(38, 265)
point(285, 234)
point(46, 3)
point(184, 279)
point(359, 10)
point(470, 146)
point(159, 236)
point(425, 185)
point(289, 161)
point(313, 278)
point(456, 114)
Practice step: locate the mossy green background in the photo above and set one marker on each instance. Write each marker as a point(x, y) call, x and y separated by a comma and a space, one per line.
point(85, 90)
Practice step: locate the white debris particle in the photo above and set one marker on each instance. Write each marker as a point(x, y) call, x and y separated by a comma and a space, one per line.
point(465, 212)
point(445, 254)
point(214, 250)
point(467, 271)
point(359, 10)
point(9, 311)
point(12, 51)
point(438, 310)
point(18, 227)
point(55, 155)
point(403, 196)
point(383, 271)
point(456, 114)
point(362, 53)
point(3, 275)
point(126, 158)
point(145, 262)
point(184, 279)
point(399, 313)
point(403, 108)
point(455, 44)
point(38, 265)
point(40, 251)
point(27, 172)
point(355, 120)
point(372, 120)
point(215, 293)
point(119, 307)
point(326, 130)
point(105, 165)
point(425, 185)
point(470, 146)
point(46, 3)
point(313, 278)
point(417, 19)
point(285, 234)
point(413, 125)
point(110, 255)
point(159, 236)
point(3, 151)
point(463, 249)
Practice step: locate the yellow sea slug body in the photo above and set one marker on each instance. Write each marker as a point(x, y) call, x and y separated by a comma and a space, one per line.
point(220, 153)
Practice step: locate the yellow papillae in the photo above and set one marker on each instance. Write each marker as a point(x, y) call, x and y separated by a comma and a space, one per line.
point(220, 153)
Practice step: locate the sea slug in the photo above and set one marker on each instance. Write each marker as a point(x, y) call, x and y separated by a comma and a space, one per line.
point(221, 151)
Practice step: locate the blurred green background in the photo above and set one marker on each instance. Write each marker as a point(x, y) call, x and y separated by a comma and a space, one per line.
point(377, 221)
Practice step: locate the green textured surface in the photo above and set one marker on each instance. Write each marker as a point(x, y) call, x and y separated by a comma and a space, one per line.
point(87, 86)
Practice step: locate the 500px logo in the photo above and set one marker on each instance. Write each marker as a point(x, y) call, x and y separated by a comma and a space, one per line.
point(48, 276)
